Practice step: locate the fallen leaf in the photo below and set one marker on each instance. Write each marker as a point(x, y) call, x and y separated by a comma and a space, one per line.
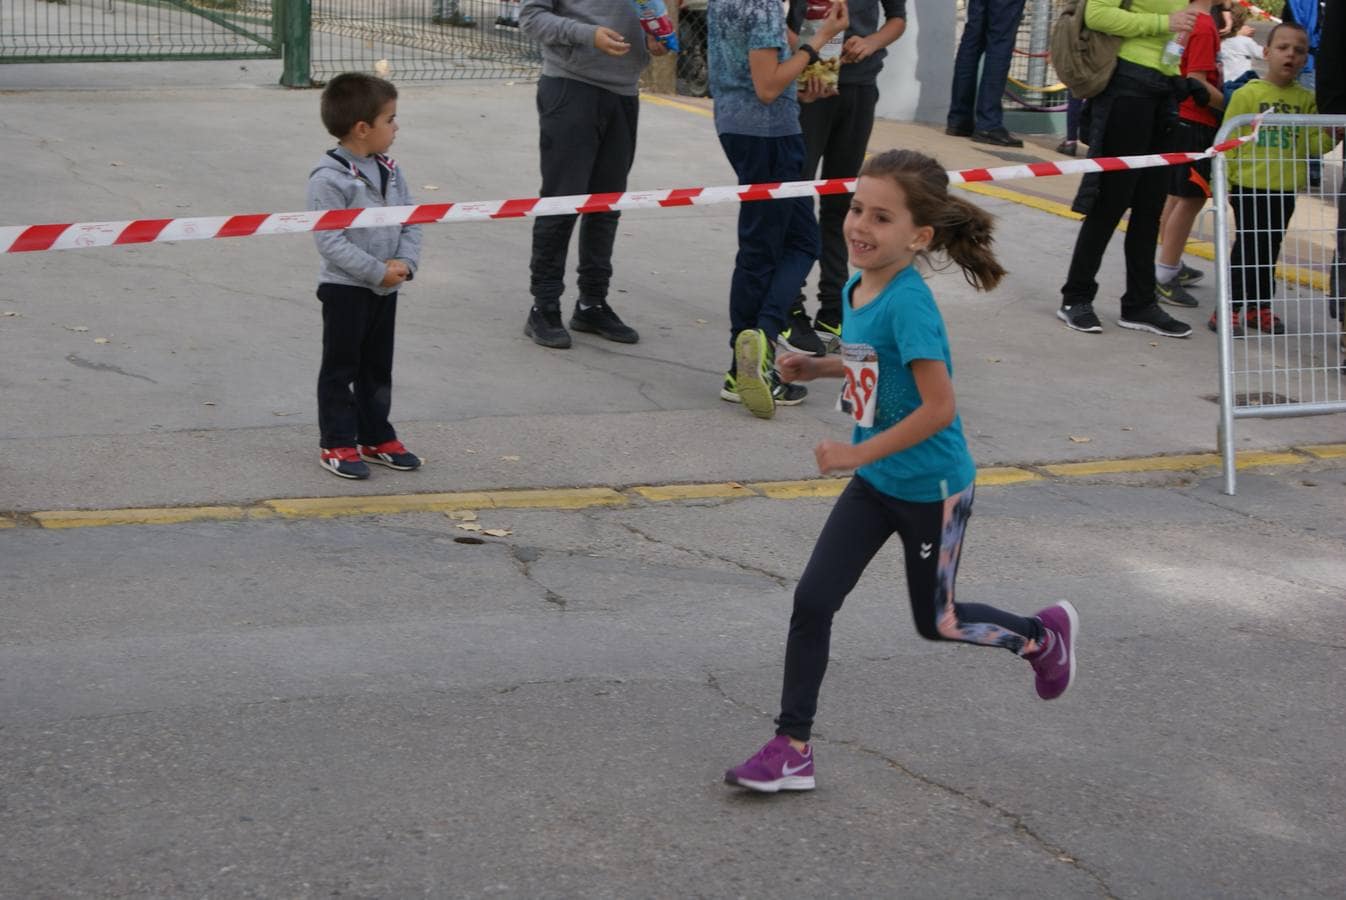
point(701, 321)
point(469, 526)
point(80, 328)
point(469, 451)
point(1154, 343)
point(1127, 428)
point(993, 359)
point(429, 187)
point(102, 341)
point(462, 515)
point(115, 163)
point(274, 413)
point(510, 458)
point(208, 403)
point(10, 312)
point(381, 68)
point(498, 532)
point(1079, 439)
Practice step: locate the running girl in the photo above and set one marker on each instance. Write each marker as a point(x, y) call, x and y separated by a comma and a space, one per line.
point(913, 472)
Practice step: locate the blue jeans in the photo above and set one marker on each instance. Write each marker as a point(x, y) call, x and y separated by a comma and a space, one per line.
point(777, 239)
point(990, 32)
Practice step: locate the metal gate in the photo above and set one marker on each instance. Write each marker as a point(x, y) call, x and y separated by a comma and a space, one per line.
point(132, 30)
point(1283, 349)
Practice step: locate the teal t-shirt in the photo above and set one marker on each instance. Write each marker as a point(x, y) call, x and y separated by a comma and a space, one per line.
point(903, 324)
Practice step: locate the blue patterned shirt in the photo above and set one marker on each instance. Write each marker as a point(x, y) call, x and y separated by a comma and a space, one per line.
point(737, 27)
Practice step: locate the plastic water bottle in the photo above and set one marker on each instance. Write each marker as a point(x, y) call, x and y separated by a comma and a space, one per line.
point(1174, 49)
point(654, 19)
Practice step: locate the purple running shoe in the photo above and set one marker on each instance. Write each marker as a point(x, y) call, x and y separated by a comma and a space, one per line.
point(1054, 664)
point(776, 767)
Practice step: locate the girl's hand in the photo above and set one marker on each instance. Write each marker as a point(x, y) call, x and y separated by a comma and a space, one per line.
point(655, 47)
point(795, 367)
point(610, 42)
point(834, 456)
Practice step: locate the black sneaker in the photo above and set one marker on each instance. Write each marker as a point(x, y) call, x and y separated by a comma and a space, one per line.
point(781, 393)
point(545, 328)
point(598, 318)
point(800, 336)
point(1154, 320)
point(1174, 294)
point(1187, 276)
point(828, 330)
point(1080, 317)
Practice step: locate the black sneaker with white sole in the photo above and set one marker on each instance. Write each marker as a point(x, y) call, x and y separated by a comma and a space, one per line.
point(598, 318)
point(1174, 294)
point(1154, 320)
point(1080, 317)
point(783, 394)
point(800, 337)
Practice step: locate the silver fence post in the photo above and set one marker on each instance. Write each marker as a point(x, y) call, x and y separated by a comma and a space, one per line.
point(1220, 196)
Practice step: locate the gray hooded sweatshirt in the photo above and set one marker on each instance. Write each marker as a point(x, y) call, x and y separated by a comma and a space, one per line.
point(357, 256)
point(566, 28)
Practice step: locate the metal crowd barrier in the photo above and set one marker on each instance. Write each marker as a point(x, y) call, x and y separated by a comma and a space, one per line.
point(1278, 248)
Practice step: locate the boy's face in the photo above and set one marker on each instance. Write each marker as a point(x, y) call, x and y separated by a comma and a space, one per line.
point(1286, 55)
point(383, 130)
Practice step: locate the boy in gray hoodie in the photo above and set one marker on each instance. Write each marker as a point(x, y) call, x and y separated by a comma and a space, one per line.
point(593, 52)
point(360, 273)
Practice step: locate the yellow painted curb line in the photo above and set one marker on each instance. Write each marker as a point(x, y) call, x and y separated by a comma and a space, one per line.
point(1183, 463)
point(799, 490)
point(1325, 451)
point(584, 498)
point(1005, 475)
point(674, 104)
point(666, 492)
point(84, 518)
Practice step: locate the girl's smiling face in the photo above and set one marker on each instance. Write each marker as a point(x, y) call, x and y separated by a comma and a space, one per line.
point(879, 230)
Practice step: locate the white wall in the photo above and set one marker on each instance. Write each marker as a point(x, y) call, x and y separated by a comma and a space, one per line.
point(914, 83)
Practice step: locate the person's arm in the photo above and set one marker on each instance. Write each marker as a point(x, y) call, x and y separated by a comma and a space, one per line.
point(806, 367)
point(858, 48)
point(771, 76)
point(409, 241)
point(335, 247)
point(1108, 17)
point(539, 20)
point(936, 412)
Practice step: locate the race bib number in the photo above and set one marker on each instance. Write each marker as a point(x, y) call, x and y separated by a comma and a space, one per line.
point(860, 390)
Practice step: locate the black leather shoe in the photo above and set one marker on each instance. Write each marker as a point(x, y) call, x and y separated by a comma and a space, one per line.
point(958, 131)
point(998, 136)
point(545, 328)
point(598, 318)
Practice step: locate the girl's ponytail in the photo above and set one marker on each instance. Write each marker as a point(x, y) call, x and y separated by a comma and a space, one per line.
point(963, 231)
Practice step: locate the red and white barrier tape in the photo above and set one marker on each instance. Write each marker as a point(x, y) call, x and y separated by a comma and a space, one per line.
point(80, 235)
point(1258, 11)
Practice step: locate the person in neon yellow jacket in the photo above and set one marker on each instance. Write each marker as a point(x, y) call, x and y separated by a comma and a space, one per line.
point(1265, 175)
point(1133, 115)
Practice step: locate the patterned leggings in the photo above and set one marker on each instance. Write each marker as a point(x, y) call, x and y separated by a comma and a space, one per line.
point(932, 536)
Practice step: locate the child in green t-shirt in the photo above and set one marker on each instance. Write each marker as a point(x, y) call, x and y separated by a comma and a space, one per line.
point(1266, 174)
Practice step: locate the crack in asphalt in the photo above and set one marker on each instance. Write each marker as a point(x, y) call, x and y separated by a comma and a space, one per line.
point(781, 580)
point(523, 558)
point(1021, 827)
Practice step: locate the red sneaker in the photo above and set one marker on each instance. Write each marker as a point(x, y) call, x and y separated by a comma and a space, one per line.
point(391, 454)
point(1235, 323)
point(344, 462)
point(1260, 318)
